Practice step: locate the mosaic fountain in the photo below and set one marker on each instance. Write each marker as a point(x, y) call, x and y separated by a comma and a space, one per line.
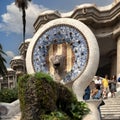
point(67, 50)
point(73, 45)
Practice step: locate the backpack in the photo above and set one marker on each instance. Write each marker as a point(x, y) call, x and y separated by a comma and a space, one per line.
point(119, 79)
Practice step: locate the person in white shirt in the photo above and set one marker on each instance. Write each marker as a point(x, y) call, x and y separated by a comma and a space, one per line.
point(98, 82)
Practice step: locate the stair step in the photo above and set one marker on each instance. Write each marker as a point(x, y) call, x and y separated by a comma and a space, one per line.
point(110, 117)
point(111, 109)
point(111, 105)
point(111, 113)
point(106, 110)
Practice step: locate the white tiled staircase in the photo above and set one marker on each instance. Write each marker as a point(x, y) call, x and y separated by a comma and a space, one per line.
point(111, 109)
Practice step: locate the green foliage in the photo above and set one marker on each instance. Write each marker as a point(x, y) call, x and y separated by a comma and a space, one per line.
point(78, 109)
point(56, 115)
point(42, 76)
point(3, 69)
point(8, 95)
point(43, 83)
point(43, 99)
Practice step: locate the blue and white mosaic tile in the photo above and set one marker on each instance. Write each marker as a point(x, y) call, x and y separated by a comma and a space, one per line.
point(58, 35)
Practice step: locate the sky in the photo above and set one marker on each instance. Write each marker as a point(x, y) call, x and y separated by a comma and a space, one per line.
point(11, 20)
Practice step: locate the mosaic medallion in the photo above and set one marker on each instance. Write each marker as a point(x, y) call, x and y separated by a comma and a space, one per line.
point(61, 39)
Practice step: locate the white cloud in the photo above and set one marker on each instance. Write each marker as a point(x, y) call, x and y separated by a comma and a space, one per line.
point(12, 20)
point(10, 54)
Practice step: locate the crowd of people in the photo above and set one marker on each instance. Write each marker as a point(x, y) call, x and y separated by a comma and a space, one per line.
point(99, 88)
point(106, 85)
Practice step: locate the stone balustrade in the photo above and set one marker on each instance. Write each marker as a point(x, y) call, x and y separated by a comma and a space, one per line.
point(8, 110)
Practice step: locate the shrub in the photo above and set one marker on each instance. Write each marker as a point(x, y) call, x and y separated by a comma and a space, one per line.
point(43, 99)
point(8, 95)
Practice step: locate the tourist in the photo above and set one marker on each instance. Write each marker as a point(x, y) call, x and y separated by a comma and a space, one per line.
point(112, 85)
point(105, 85)
point(96, 94)
point(118, 80)
point(86, 96)
point(98, 82)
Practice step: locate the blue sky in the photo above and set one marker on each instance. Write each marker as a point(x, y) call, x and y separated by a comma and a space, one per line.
point(11, 21)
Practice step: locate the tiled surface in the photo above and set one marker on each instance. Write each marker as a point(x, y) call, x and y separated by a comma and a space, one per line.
point(58, 35)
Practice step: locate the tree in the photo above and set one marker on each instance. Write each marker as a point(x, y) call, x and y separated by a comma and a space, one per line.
point(3, 69)
point(22, 5)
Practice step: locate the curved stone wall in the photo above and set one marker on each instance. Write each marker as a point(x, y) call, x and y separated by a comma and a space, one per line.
point(80, 32)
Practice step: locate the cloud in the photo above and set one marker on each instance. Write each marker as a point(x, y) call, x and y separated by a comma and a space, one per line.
point(10, 54)
point(12, 19)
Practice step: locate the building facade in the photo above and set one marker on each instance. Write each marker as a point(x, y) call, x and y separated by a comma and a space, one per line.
point(104, 22)
point(9, 81)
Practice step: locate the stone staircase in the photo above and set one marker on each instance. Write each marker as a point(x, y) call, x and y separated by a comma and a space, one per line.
point(111, 109)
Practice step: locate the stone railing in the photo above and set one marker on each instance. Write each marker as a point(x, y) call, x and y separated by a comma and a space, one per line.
point(94, 112)
point(8, 110)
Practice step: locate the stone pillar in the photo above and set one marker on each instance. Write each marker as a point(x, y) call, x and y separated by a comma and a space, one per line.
point(118, 57)
point(113, 58)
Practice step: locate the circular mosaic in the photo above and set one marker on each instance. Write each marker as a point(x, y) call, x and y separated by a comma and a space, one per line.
point(70, 42)
point(56, 35)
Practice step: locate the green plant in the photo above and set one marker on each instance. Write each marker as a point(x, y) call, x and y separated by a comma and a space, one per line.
point(8, 95)
point(78, 110)
point(56, 115)
point(43, 99)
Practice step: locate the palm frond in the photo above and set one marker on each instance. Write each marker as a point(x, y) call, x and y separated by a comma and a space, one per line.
point(21, 4)
point(3, 69)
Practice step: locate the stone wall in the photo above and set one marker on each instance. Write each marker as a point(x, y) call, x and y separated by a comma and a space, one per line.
point(8, 110)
